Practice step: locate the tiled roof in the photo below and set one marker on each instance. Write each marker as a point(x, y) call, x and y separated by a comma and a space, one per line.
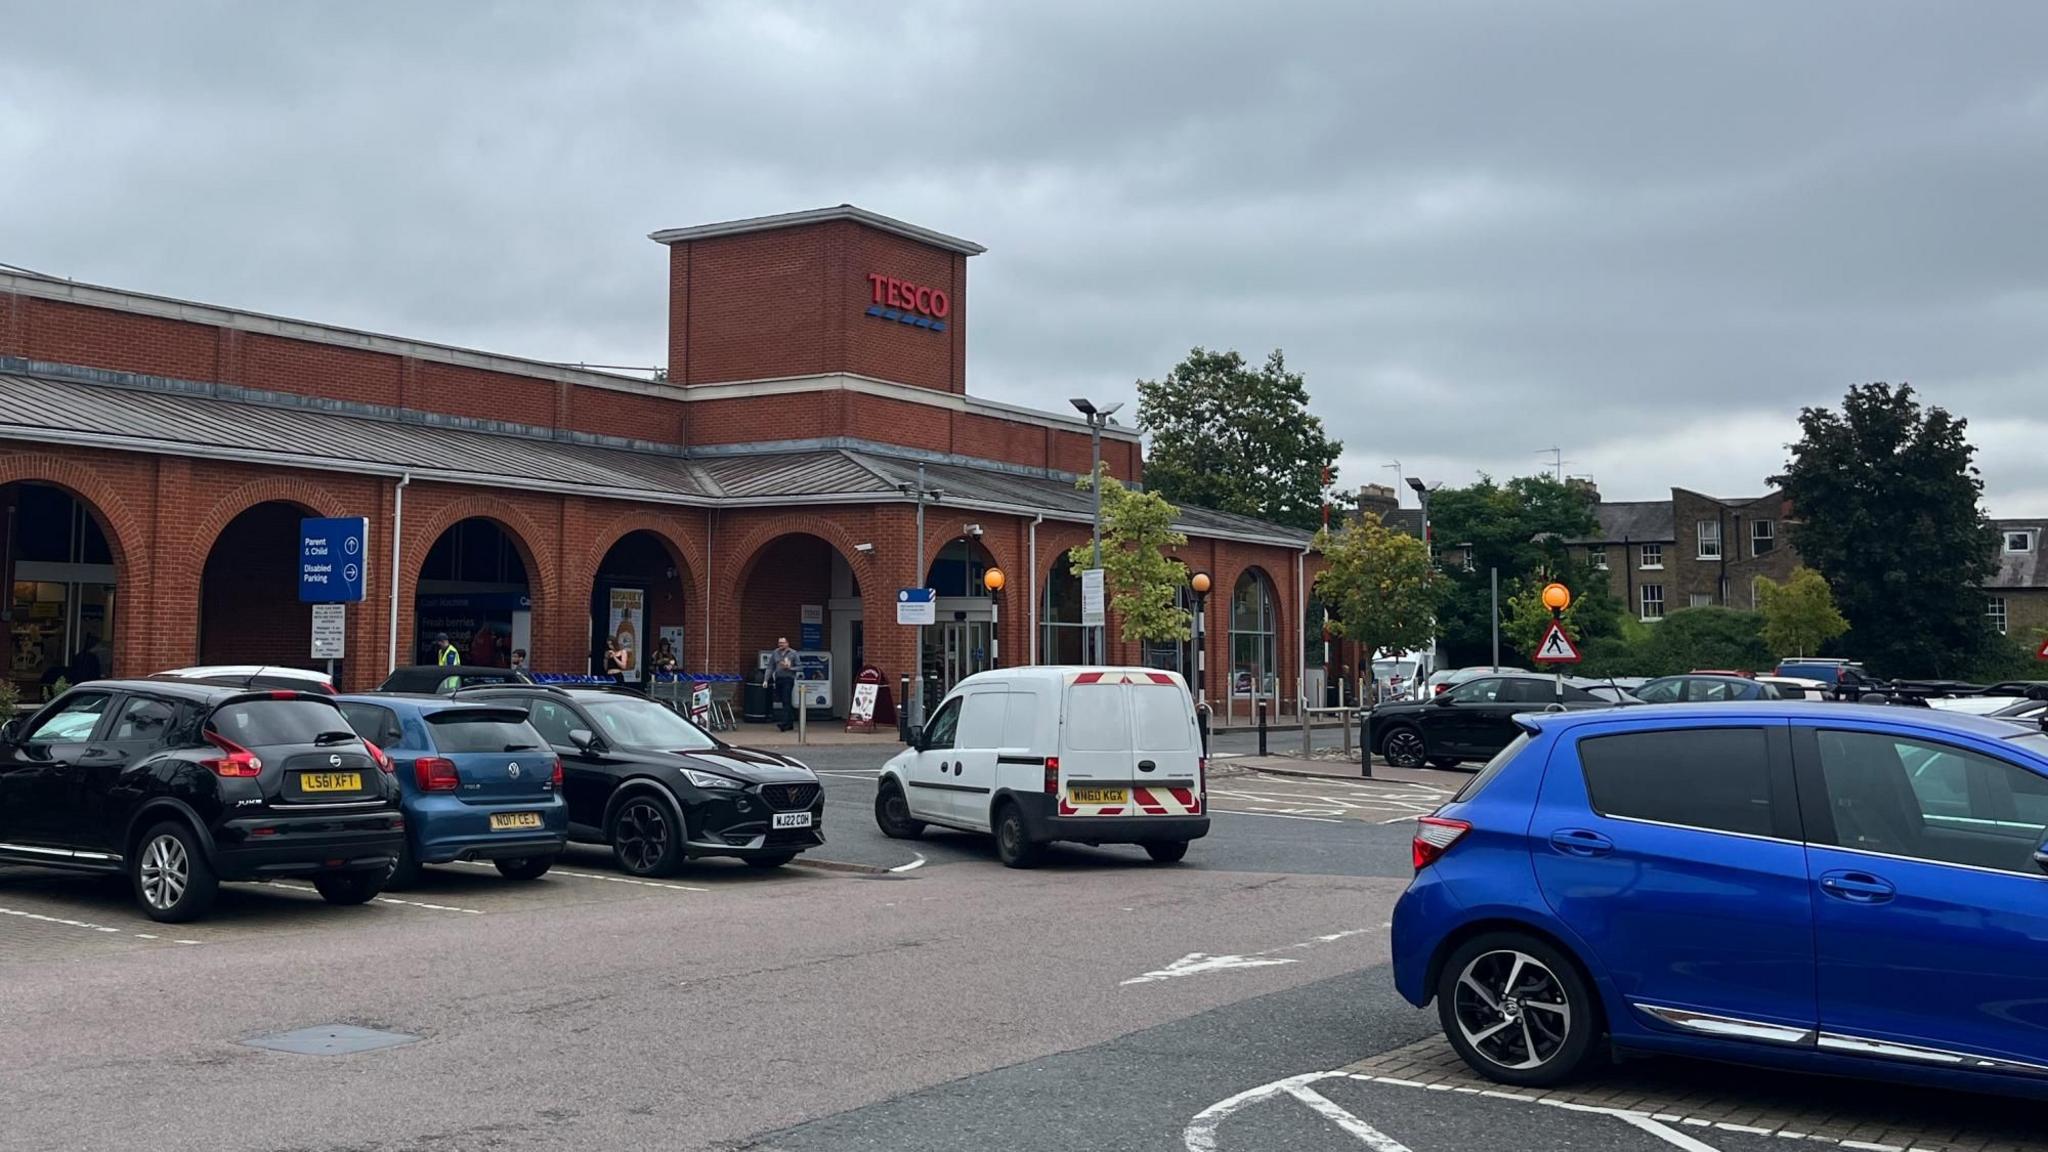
point(2020, 569)
point(1632, 520)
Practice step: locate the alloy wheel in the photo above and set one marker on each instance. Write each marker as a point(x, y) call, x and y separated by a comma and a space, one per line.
point(166, 870)
point(1512, 1009)
point(1405, 749)
point(642, 836)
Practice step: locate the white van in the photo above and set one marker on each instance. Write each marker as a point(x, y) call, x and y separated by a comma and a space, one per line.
point(1038, 754)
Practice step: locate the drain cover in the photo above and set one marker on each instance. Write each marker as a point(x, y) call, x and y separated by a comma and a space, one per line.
point(330, 1040)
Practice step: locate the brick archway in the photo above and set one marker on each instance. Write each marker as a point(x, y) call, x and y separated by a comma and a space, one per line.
point(674, 532)
point(237, 616)
point(128, 545)
point(753, 543)
point(552, 646)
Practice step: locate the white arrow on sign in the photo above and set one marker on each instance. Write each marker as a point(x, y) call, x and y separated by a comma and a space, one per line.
point(1196, 962)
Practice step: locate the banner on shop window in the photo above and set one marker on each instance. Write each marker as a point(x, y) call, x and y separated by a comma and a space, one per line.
point(628, 617)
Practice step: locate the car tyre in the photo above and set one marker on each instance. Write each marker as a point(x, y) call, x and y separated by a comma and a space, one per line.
point(1444, 762)
point(1014, 846)
point(1515, 1008)
point(406, 872)
point(346, 888)
point(1166, 851)
point(1404, 747)
point(646, 836)
point(764, 863)
point(892, 814)
point(524, 867)
point(172, 878)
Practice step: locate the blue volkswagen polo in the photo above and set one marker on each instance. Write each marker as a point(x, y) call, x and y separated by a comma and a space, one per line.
point(1827, 887)
point(478, 783)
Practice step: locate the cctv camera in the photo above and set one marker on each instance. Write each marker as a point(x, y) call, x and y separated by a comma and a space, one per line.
point(974, 530)
point(863, 547)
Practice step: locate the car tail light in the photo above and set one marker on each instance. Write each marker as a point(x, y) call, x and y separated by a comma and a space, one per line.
point(1052, 775)
point(555, 781)
point(435, 774)
point(1434, 836)
point(235, 759)
point(384, 763)
point(283, 694)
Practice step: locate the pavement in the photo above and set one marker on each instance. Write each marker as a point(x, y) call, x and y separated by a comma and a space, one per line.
point(914, 995)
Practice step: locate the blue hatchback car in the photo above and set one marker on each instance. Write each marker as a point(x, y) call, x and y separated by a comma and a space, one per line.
point(1827, 887)
point(478, 783)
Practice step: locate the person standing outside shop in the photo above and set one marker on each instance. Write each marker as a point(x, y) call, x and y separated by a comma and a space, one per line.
point(616, 659)
point(445, 653)
point(519, 661)
point(782, 681)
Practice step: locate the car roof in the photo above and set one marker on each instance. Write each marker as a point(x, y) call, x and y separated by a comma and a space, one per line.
point(203, 691)
point(453, 669)
point(1817, 712)
point(416, 702)
point(284, 670)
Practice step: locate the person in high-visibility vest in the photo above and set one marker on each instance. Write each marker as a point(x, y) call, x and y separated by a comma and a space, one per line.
point(445, 654)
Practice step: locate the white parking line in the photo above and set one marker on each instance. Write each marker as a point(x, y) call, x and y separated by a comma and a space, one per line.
point(914, 864)
point(1213, 810)
point(85, 924)
point(378, 899)
point(600, 876)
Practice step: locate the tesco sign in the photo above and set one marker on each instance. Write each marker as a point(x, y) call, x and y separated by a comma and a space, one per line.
point(906, 296)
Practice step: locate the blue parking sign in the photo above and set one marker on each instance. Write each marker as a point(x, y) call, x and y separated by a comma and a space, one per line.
point(334, 559)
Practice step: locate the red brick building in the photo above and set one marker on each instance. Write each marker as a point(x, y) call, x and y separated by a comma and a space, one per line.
point(157, 456)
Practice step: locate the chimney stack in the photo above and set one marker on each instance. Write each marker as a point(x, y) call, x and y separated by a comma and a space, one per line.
point(1377, 500)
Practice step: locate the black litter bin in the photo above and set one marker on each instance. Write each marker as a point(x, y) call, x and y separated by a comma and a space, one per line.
point(756, 706)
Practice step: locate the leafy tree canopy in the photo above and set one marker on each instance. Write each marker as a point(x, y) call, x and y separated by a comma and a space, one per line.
point(1520, 528)
point(1141, 580)
point(1885, 498)
point(1378, 587)
point(1800, 614)
point(1237, 439)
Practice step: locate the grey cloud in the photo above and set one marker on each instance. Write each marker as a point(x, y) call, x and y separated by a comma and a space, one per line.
point(1655, 228)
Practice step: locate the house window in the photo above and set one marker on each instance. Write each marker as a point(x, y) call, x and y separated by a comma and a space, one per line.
point(1702, 600)
point(2022, 541)
point(1597, 557)
point(1763, 536)
point(1994, 611)
point(1653, 601)
point(1653, 555)
point(1710, 539)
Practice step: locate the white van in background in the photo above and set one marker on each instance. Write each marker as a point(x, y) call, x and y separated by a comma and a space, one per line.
point(1038, 754)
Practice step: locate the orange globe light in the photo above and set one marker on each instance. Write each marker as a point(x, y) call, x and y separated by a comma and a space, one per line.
point(992, 580)
point(1200, 583)
point(1556, 597)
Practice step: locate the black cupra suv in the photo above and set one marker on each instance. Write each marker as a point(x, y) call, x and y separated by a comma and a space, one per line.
point(182, 785)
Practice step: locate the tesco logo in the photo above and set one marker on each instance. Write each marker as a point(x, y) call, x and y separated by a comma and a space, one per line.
point(908, 303)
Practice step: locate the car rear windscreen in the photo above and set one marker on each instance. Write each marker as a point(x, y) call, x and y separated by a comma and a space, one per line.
point(478, 731)
point(1165, 723)
point(267, 722)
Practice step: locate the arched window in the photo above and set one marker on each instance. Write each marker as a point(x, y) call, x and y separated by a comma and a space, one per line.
point(1064, 634)
point(1253, 657)
point(1176, 655)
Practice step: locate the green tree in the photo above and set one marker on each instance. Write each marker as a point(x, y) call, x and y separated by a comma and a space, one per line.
point(1694, 639)
point(1380, 589)
point(1800, 614)
point(1235, 438)
point(1886, 495)
point(1139, 578)
point(1520, 528)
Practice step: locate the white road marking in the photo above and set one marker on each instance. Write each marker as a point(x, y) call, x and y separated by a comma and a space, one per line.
point(1400, 820)
point(914, 864)
point(600, 876)
point(1368, 1135)
point(1662, 1131)
point(1200, 1134)
point(377, 899)
point(85, 924)
point(1215, 811)
point(1197, 962)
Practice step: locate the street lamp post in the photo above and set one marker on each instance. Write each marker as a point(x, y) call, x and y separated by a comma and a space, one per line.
point(1200, 583)
point(920, 493)
point(1098, 419)
point(993, 581)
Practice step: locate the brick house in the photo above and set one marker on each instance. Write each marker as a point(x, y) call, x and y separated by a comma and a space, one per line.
point(157, 455)
point(1691, 551)
point(2016, 597)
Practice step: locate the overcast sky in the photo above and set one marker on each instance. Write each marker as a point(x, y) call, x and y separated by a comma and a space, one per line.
point(1643, 232)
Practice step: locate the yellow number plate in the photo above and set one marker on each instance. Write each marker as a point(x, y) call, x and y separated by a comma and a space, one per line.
point(500, 821)
point(1098, 795)
point(331, 781)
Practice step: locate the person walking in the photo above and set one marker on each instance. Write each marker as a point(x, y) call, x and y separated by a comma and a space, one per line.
point(782, 682)
point(445, 653)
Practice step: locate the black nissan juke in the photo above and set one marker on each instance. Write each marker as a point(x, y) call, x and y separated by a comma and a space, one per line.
point(657, 789)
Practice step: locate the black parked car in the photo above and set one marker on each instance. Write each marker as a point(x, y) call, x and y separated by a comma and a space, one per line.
point(659, 789)
point(1704, 687)
point(442, 679)
point(182, 784)
point(1471, 721)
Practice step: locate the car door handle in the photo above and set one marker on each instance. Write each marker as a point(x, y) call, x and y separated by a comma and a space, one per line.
point(1580, 842)
point(1858, 887)
point(1146, 765)
point(98, 755)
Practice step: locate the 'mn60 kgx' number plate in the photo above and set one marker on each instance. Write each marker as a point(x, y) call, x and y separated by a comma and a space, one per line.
point(792, 820)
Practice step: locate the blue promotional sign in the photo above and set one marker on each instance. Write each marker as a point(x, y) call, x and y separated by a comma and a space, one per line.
point(917, 606)
point(334, 559)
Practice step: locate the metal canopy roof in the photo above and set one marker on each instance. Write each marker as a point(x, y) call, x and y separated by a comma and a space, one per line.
point(309, 433)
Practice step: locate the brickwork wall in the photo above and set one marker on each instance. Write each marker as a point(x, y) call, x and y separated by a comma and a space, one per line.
point(306, 369)
point(885, 349)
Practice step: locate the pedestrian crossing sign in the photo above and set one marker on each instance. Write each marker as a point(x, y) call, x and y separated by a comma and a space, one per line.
point(1556, 647)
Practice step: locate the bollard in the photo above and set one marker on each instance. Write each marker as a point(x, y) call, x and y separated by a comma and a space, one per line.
point(1262, 727)
point(803, 716)
point(1364, 742)
point(1202, 725)
point(1308, 745)
point(1346, 718)
point(903, 710)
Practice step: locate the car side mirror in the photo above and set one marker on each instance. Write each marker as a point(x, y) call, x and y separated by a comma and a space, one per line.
point(1441, 699)
point(2041, 858)
point(10, 732)
point(583, 738)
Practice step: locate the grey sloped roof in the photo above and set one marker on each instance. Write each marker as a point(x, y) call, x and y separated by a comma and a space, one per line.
point(2020, 569)
point(169, 417)
point(1632, 520)
point(1060, 497)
